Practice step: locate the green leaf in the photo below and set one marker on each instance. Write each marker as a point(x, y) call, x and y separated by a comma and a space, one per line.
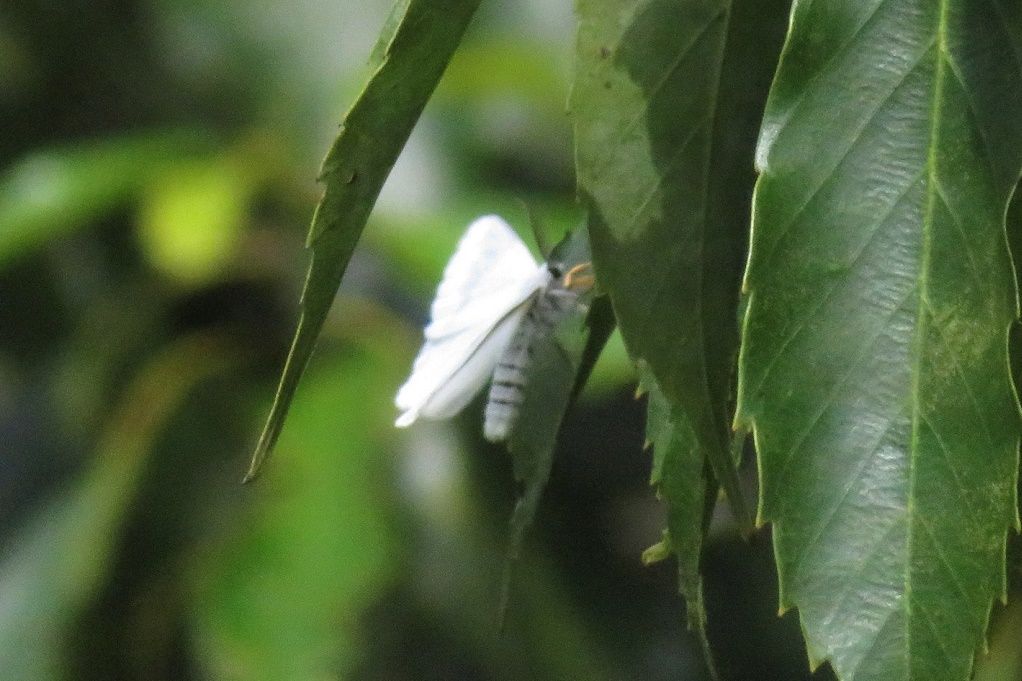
point(372, 135)
point(874, 364)
point(55, 565)
point(387, 33)
point(601, 323)
point(680, 476)
point(552, 379)
point(666, 103)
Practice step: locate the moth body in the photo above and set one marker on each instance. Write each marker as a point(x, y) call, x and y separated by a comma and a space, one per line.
point(487, 288)
point(493, 303)
point(507, 389)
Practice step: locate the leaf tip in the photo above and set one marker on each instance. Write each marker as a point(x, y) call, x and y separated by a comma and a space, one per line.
point(658, 552)
point(262, 451)
point(274, 425)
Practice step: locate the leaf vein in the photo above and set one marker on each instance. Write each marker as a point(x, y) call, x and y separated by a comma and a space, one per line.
point(835, 287)
point(921, 317)
point(959, 224)
point(853, 140)
point(675, 64)
point(931, 625)
point(825, 65)
point(970, 100)
point(1016, 49)
point(980, 413)
point(831, 513)
point(943, 559)
point(837, 388)
point(668, 169)
point(946, 452)
point(846, 584)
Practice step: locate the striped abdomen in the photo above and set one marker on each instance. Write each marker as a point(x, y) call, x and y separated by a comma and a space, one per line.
point(507, 390)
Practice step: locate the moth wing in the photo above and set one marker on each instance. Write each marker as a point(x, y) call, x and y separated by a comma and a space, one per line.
point(485, 290)
point(490, 272)
point(465, 371)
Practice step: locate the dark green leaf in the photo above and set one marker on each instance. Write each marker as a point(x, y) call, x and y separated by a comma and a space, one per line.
point(666, 104)
point(372, 135)
point(601, 323)
point(679, 474)
point(874, 363)
point(552, 377)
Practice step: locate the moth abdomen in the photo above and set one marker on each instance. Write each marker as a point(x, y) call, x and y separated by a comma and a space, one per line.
point(516, 385)
point(511, 375)
point(512, 366)
point(510, 393)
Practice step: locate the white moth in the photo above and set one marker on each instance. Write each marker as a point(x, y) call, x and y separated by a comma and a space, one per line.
point(493, 302)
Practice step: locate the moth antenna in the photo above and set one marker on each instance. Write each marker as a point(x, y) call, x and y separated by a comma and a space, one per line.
point(580, 277)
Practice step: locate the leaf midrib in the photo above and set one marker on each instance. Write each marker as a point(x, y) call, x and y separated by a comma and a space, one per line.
point(726, 11)
point(922, 312)
point(607, 160)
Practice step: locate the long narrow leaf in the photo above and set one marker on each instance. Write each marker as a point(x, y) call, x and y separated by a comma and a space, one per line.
point(371, 137)
point(558, 362)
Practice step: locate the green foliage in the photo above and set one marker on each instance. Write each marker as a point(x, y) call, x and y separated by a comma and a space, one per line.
point(192, 217)
point(680, 478)
point(874, 360)
point(552, 379)
point(663, 123)
point(157, 174)
point(666, 107)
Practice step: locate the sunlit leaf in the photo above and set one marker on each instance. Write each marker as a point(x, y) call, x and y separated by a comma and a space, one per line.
point(874, 361)
point(372, 135)
point(387, 33)
point(49, 193)
point(192, 215)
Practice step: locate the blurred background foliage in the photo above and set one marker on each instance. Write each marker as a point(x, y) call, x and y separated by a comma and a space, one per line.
point(157, 175)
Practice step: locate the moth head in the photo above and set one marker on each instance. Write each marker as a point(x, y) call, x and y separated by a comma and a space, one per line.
point(570, 263)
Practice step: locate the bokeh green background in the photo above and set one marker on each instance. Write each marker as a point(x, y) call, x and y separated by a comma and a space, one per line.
point(157, 175)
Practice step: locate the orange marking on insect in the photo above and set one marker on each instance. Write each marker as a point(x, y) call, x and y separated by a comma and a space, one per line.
point(580, 277)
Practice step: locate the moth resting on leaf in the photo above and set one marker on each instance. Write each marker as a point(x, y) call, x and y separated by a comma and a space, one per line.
point(493, 303)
